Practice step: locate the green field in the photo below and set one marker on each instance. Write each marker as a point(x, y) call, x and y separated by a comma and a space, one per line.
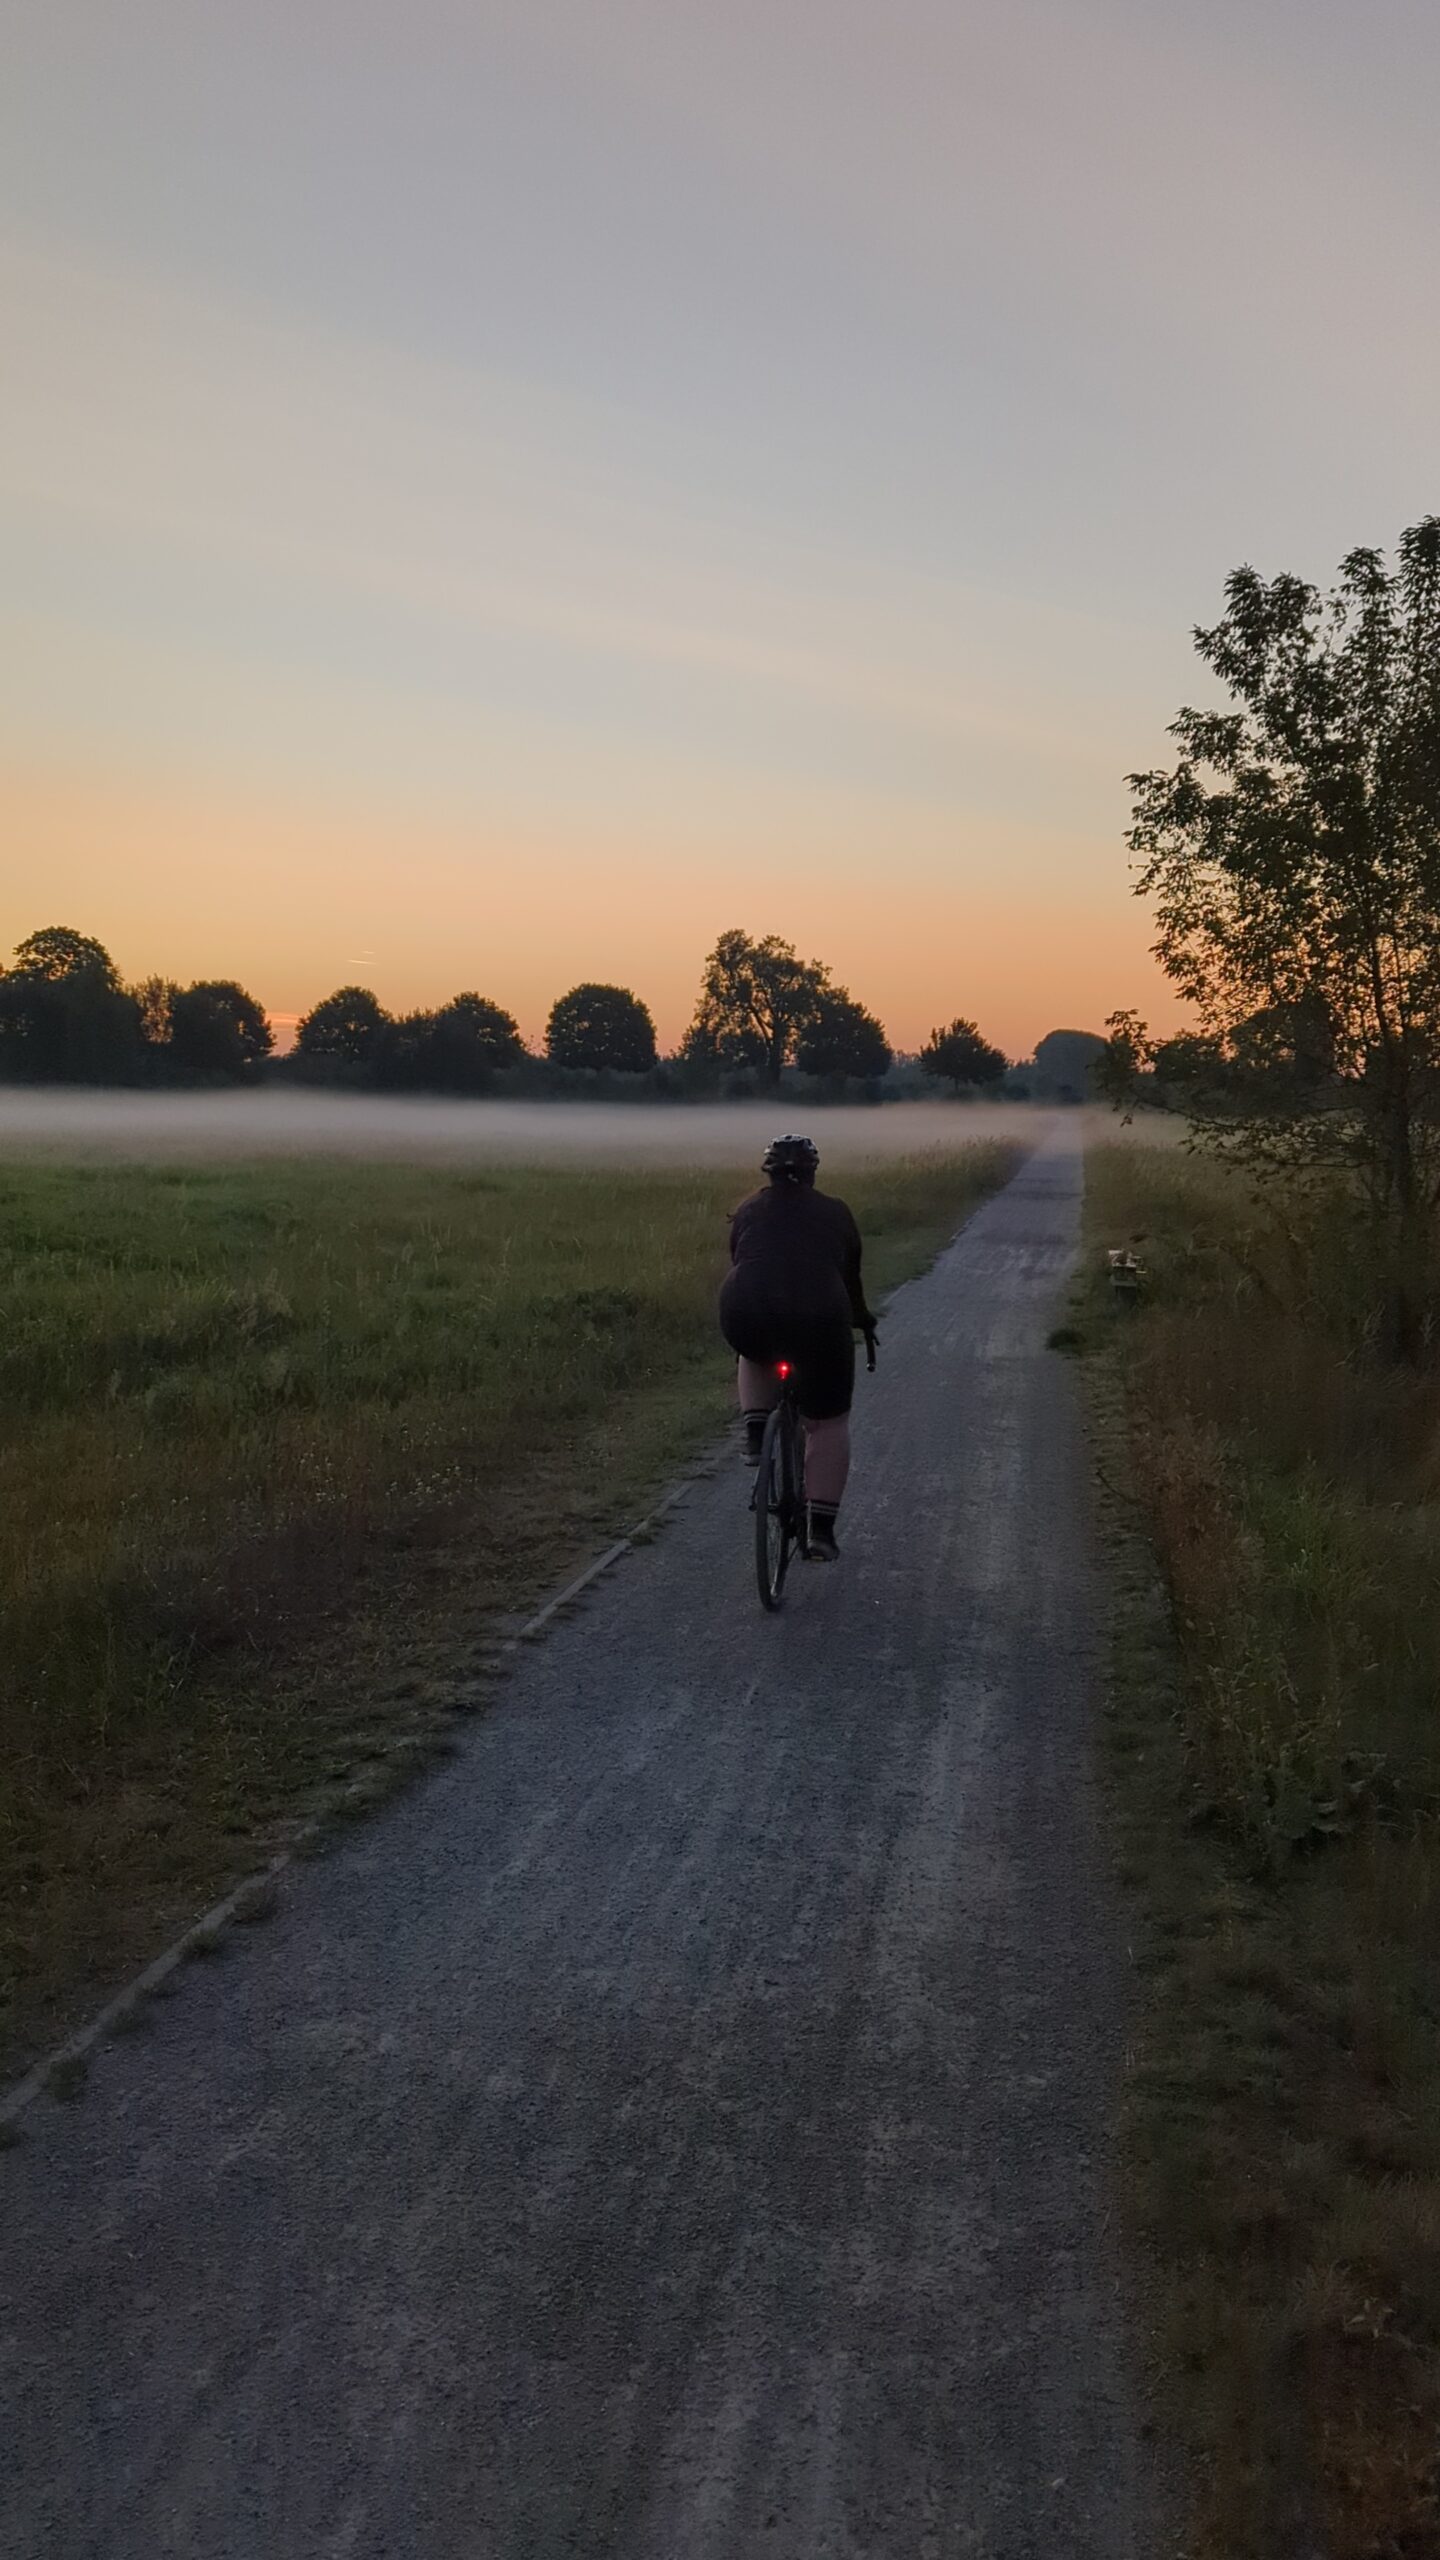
point(1276, 1722)
point(282, 1441)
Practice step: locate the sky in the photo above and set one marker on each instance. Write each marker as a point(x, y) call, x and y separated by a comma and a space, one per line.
point(491, 496)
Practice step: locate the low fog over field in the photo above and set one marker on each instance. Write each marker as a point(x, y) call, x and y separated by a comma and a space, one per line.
point(90, 1124)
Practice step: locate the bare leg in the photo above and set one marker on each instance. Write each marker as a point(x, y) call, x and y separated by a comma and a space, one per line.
point(759, 1388)
point(759, 1392)
point(827, 1460)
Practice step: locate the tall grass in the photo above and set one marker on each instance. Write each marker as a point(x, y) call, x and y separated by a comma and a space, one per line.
point(1295, 1480)
point(1286, 1821)
point(263, 1422)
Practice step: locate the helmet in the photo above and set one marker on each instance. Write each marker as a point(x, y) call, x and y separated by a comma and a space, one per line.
point(791, 1159)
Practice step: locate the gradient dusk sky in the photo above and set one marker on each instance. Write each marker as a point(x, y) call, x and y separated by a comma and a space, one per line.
point(494, 495)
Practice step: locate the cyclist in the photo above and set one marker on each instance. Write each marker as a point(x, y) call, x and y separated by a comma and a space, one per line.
point(793, 1292)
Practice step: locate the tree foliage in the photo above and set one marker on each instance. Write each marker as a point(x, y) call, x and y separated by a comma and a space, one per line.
point(1186, 1073)
point(757, 999)
point(155, 1000)
point(64, 1016)
point(57, 951)
point(349, 1024)
point(400, 1064)
point(842, 1040)
point(1293, 855)
point(1123, 1063)
point(961, 1056)
point(471, 1038)
point(458, 1049)
point(601, 1027)
point(218, 1029)
point(1064, 1065)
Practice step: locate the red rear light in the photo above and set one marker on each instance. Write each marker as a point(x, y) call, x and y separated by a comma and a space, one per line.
point(782, 1368)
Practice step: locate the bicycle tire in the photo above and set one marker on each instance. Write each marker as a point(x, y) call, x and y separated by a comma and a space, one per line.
point(774, 1508)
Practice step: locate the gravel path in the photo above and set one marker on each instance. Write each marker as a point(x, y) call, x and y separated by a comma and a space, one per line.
point(676, 2129)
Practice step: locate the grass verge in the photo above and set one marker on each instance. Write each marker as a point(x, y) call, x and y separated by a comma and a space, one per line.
point(284, 1443)
point(1272, 1503)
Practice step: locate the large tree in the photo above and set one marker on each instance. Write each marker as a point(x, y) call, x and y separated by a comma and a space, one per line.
point(756, 1001)
point(218, 1029)
point(472, 1037)
point(155, 999)
point(601, 1027)
point(401, 1058)
point(456, 1050)
point(1293, 854)
point(57, 951)
point(1065, 1065)
point(64, 1016)
point(841, 1039)
point(962, 1056)
point(349, 1024)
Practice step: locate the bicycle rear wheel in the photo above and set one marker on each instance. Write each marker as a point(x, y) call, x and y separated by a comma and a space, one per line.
point(774, 1507)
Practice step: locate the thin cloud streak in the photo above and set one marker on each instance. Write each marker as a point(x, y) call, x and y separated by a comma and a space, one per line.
point(216, 436)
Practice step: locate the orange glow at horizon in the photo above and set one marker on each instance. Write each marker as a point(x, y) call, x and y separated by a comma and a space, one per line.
point(295, 902)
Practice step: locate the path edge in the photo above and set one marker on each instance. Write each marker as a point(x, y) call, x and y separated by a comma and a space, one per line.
point(252, 1894)
point(68, 2061)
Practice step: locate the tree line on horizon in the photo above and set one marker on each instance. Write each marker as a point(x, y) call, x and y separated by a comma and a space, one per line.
point(763, 1012)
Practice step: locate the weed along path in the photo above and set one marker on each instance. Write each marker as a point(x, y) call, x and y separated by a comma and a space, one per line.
point(678, 2124)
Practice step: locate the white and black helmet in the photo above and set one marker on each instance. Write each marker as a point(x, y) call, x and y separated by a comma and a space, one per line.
point(791, 1159)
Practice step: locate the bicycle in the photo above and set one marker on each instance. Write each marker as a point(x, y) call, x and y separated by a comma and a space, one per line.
point(778, 1501)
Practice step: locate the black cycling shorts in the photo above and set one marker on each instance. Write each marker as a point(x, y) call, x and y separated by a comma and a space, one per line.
point(822, 1349)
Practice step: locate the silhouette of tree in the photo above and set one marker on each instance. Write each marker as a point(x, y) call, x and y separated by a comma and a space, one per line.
point(1186, 1068)
point(217, 1029)
point(456, 1050)
point(1293, 854)
point(155, 998)
point(64, 1016)
point(601, 1027)
point(1065, 1065)
point(57, 951)
point(472, 1037)
point(349, 1024)
point(756, 999)
point(961, 1056)
point(399, 1060)
point(841, 1039)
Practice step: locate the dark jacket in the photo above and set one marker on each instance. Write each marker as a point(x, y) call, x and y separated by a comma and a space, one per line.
point(796, 1251)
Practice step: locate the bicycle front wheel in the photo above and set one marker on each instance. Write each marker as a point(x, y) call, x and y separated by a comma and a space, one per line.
point(774, 1508)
